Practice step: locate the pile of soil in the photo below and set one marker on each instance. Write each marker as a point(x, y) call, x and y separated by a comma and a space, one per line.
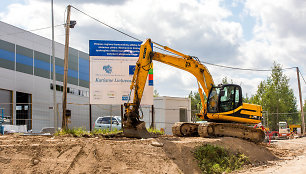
point(40, 154)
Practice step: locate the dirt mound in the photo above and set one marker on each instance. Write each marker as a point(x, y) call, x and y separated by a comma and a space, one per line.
point(36, 154)
point(256, 153)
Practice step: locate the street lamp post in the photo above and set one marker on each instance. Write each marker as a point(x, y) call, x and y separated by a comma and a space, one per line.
point(54, 77)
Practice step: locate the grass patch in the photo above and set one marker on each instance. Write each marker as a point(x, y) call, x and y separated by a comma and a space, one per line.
point(82, 132)
point(105, 131)
point(76, 132)
point(156, 131)
point(216, 159)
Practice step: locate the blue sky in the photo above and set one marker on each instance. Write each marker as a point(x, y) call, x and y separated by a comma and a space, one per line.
point(239, 15)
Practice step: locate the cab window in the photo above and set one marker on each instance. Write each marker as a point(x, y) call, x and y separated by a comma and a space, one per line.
point(230, 98)
point(213, 100)
point(227, 99)
point(237, 98)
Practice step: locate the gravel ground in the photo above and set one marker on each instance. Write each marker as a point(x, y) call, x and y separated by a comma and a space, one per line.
point(42, 154)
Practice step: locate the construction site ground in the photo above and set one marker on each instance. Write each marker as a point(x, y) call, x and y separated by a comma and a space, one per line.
point(47, 154)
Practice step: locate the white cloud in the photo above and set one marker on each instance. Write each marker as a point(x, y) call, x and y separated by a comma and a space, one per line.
point(279, 35)
point(199, 28)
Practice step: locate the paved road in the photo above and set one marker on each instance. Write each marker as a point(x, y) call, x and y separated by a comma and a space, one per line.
point(295, 165)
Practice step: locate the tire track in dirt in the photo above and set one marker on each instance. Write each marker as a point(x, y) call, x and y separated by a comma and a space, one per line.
point(77, 157)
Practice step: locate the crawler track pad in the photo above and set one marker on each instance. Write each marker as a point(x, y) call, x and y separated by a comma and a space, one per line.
point(139, 131)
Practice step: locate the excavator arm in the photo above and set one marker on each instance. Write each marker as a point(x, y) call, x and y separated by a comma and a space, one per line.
point(144, 64)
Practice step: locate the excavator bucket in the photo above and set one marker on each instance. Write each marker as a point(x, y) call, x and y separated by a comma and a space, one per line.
point(139, 131)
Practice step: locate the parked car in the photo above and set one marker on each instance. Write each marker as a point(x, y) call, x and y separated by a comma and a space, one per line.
point(200, 121)
point(105, 122)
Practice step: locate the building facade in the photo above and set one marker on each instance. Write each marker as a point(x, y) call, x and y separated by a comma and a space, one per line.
point(26, 90)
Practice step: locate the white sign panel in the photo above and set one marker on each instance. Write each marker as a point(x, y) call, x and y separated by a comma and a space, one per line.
point(112, 65)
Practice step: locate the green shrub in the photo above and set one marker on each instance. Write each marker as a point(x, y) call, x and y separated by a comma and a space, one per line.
point(215, 159)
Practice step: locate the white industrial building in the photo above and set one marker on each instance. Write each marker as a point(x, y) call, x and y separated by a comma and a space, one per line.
point(168, 110)
point(26, 93)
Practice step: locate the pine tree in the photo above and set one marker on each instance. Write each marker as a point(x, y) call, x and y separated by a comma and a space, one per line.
point(275, 96)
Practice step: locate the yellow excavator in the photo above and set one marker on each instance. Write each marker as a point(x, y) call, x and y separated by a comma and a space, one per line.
point(223, 109)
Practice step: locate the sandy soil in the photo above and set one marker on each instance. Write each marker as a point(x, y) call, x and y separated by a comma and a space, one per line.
point(291, 155)
point(38, 154)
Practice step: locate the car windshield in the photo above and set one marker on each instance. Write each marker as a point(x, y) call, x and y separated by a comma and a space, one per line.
point(283, 125)
point(119, 119)
point(107, 119)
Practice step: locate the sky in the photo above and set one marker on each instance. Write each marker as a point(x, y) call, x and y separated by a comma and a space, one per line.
point(238, 33)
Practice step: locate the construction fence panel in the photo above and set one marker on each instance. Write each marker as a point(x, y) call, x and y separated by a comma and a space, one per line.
point(39, 115)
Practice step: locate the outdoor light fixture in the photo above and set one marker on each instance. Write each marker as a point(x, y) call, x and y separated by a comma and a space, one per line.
point(72, 24)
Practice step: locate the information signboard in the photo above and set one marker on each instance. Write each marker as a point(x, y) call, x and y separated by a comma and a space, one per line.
point(112, 65)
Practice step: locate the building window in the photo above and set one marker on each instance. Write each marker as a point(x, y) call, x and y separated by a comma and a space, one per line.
point(183, 115)
point(71, 90)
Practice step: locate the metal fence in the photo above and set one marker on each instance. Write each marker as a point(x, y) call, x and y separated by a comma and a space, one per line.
point(38, 115)
point(271, 120)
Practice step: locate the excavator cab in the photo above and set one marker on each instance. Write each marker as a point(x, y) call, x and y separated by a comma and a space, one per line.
point(224, 98)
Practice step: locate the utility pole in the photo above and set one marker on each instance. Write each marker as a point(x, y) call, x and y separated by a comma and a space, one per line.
point(301, 101)
point(64, 118)
point(54, 77)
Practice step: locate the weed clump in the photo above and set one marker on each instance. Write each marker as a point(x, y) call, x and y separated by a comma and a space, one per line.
point(82, 132)
point(216, 159)
point(76, 132)
point(102, 132)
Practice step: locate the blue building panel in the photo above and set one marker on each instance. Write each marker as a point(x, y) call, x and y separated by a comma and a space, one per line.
point(42, 65)
point(24, 60)
point(72, 73)
point(84, 77)
point(84, 69)
point(58, 69)
point(7, 55)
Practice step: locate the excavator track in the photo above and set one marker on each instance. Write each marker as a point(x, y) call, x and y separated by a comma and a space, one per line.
point(231, 130)
point(182, 129)
point(208, 130)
